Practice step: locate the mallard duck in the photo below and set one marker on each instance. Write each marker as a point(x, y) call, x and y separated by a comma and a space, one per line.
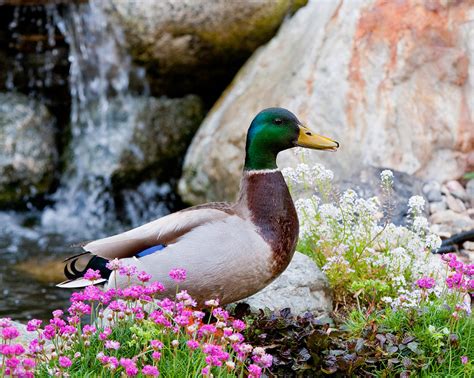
point(229, 250)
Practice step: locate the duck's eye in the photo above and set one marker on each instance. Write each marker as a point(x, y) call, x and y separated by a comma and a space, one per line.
point(277, 121)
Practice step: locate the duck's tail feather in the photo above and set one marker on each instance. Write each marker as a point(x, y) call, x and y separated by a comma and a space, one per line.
point(88, 261)
point(78, 283)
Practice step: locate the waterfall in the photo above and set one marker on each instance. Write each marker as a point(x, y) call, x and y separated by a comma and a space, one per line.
point(102, 110)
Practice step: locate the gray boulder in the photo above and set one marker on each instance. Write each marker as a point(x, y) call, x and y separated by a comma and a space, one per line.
point(302, 287)
point(27, 149)
point(350, 70)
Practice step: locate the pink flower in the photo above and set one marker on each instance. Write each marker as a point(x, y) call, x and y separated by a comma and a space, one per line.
point(92, 275)
point(178, 274)
point(114, 264)
point(111, 344)
point(67, 330)
point(33, 325)
point(220, 313)
point(12, 363)
point(11, 350)
point(155, 287)
point(112, 363)
point(192, 344)
point(49, 332)
point(150, 371)
point(212, 302)
point(5, 322)
point(35, 347)
point(28, 363)
point(156, 344)
point(64, 362)
point(156, 355)
point(205, 370)
point(79, 308)
point(464, 360)
point(215, 354)
point(144, 277)
point(426, 282)
point(455, 281)
point(448, 257)
point(239, 325)
point(58, 313)
point(128, 270)
point(106, 333)
point(266, 360)
point(207, 329)
point(129, 366)
point(89, 329)
point(10, 333)
point(255, 371)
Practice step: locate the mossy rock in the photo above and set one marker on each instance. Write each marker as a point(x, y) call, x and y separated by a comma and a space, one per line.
point(27, 149)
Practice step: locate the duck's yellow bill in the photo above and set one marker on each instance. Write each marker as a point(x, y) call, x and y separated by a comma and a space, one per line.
point(308, 139)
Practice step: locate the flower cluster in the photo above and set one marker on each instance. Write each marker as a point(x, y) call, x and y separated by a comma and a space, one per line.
point(461, 276)
point(355, 244)
point(137, 332)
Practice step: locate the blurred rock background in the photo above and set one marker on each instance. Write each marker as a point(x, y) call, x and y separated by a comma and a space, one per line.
point(115, 112)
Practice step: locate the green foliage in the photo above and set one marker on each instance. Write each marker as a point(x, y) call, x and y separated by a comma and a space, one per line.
point(469, 176)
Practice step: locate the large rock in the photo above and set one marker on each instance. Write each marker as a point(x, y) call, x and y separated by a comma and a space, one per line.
point(191, 45)
point(392, 81)
point(302, 287)
point(27, 149)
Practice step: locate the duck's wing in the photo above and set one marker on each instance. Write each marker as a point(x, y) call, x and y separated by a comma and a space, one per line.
point(164, 231)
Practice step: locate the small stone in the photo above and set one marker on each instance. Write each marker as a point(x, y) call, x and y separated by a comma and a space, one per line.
point(458, 222)
point(469, 245)
point(443, 231)
point(457, 190)
point(455, 204)
point(470, 191)
point(432, 191)
point(438, 206)
point(302, 287)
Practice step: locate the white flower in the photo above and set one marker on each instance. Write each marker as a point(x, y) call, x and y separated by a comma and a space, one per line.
point(433, 241)
point(290, 175)
point(416, 204)
point(420, 224)
point(259, 351)
point(230, 365)
point(301, 152)
point(386, 176)
point(322, 174)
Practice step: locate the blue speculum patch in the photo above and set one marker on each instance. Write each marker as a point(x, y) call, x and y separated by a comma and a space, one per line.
point(150, 250)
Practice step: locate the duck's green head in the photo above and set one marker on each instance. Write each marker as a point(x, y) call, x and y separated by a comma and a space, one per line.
point(277, 129)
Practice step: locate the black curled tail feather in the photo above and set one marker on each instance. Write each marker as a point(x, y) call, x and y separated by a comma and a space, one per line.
point(95, 262)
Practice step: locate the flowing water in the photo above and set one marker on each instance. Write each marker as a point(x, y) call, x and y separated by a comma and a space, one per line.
point(100, 80)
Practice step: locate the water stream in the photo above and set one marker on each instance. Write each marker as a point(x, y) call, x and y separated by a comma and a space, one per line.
point(102, 109)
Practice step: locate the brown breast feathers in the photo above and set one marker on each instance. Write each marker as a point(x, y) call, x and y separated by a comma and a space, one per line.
point(273, 212)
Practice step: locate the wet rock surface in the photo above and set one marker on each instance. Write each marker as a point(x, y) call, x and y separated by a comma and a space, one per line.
point(161, 134)
point(27, 149)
